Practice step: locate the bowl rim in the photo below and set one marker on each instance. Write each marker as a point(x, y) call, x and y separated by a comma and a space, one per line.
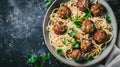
point(110, 49)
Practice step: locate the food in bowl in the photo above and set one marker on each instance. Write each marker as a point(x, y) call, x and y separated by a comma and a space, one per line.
point(79, 30)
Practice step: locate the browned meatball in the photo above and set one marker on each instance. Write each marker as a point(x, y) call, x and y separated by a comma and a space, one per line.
point(82, 4)
point(63, 11)
point(97, 9)
point(86, 45)
point(87, 26)
point(59, 28)
point(100, 36)
point(77, 54)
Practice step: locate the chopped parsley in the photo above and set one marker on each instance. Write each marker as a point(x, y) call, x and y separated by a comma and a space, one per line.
point(88, 12)
point(64, 41)
point(108, 19)
point(78, 24)
point(72, 32)
point(59, 51)
point(75, 44)
point(68, 16)
point(76, 59)
point(48, 2)
point(91, 58)
point(32, 58)
point(77, 21)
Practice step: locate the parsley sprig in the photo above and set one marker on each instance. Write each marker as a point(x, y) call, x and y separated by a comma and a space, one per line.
point(33, 59)
point(44, 57)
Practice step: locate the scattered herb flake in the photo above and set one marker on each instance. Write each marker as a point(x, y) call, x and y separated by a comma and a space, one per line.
point(76, 59)
point(75, 44)
point(78, 24)
point(48, 2)
point(72, 32)
point(32, 58)
point(108, 19)
point(88, 12)
point(64, 41)
point(68, 15)
point(59, 51)
point(47, 56)
point(77, 21)
point(91, 58)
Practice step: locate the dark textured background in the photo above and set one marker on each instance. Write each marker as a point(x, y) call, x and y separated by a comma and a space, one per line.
point(21, 32)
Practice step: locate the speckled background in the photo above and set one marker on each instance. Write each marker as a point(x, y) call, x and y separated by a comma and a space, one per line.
point(21, 32)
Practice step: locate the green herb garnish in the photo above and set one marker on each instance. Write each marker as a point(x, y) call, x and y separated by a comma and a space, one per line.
point(48, 2)
point(76, 59)
point(78, 24)
point(44, 57)
point(68, 16)
point(72, 32)
point(33, 59)
point(108, 19)
point(77, 21)
point(91, 58)
point(88, 12)
point(75, 44)
point(59, 51)
point(64, 41)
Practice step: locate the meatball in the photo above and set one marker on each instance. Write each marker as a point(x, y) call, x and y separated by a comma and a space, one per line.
point(82, 4)
point(86, 45)
point(87, 26)
point(59, 28)
point(97, 9)
point(100, 36)
point(63, 11)
point(77, 55)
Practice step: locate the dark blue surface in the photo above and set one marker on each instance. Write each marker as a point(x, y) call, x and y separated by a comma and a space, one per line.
point(21, 32)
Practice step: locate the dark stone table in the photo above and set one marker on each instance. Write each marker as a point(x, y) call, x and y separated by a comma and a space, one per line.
point(21, 32)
